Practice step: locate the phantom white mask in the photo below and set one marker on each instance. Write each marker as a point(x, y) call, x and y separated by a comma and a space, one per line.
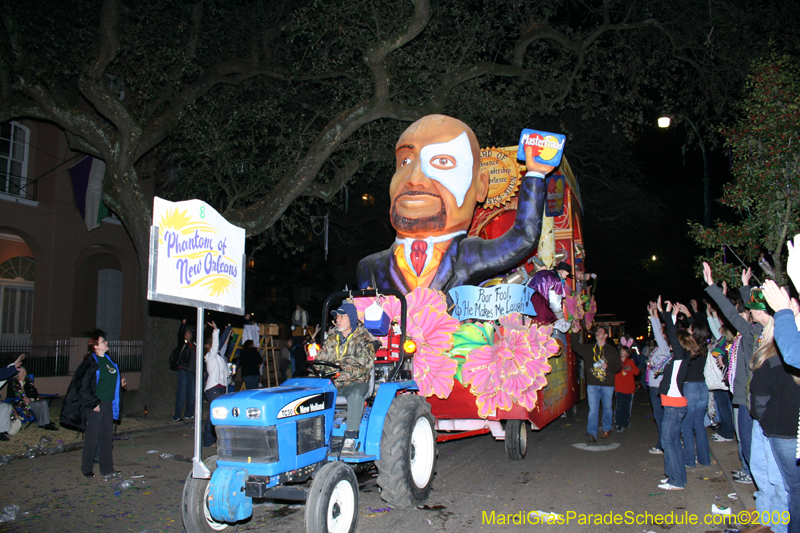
point(450, 164)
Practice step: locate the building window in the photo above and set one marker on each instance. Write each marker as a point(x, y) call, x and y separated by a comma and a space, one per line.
point(14, 159)
point(17, 277)
point(18, 268)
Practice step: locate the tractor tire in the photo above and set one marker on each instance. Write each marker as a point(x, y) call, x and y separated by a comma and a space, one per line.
point(332, 504)
point(516, 439)
point(196, 516)
point(408, 452)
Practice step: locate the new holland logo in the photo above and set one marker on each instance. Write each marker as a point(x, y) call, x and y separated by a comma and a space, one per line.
point(303, 406)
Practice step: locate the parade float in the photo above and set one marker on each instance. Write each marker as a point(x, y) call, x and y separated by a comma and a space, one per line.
point(483, 360)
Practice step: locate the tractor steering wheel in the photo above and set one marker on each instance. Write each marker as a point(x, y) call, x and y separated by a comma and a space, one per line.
point(319, 373)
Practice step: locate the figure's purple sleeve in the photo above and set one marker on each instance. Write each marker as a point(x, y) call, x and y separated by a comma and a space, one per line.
point(544, 280)
point(482, 258)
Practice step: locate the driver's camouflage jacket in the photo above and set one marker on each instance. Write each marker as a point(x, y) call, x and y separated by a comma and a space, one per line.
point(356, 355)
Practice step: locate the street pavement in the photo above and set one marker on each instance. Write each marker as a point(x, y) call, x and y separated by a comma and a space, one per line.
point(476, 487)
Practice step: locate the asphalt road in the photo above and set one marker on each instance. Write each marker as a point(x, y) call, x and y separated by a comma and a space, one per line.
point(474, 479)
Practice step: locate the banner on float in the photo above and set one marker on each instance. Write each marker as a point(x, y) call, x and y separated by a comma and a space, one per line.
point(196, 257)
point(490, 303)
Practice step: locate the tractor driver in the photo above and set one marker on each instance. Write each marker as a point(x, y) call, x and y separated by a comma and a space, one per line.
point(352, 347)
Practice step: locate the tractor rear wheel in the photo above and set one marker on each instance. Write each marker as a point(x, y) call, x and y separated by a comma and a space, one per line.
point(408, 452)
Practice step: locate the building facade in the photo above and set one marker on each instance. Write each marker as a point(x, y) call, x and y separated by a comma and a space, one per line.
point(58, 280)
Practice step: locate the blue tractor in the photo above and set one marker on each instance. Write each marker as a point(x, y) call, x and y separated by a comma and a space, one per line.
point(285, 443)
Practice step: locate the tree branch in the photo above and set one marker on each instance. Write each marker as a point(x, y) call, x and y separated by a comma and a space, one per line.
point(191, 51)
point(76, 121)
point(326, 191)
point(229, 72)
point(377, 54)
point(109, 40)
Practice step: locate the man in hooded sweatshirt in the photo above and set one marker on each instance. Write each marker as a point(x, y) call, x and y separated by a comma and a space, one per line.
point(352, 347)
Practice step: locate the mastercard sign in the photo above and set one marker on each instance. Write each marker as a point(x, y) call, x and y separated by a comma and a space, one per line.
point(547, 147)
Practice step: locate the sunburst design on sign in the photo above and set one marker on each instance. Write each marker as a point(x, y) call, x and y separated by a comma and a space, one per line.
point(183, 223)
point(216, 285)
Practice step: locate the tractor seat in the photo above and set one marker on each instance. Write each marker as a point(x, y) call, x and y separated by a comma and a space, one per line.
point(341, 401)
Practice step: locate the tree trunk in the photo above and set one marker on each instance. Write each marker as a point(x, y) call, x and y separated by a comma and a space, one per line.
point(158, 385)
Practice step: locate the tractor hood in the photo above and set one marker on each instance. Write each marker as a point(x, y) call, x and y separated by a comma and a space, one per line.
point(294, 399)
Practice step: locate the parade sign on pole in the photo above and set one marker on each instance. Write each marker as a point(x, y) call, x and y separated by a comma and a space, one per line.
point(196, 257)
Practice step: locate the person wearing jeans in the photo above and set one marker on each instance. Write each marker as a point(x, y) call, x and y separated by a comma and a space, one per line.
point(185, 395)
point(740, 318)
point(187, 364)
point(725, 412)
point(771, 496)
point(598, 395)
point(660, 356)
point(601, 363)
point(674, 466)
point(774, 404)
point(674, 402)
point(692, 428)
point(784, 450)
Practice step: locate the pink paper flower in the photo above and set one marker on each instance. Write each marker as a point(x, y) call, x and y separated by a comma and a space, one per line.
point(431, 328)
point(591, 309)
point(573, 307)
point(513, 369)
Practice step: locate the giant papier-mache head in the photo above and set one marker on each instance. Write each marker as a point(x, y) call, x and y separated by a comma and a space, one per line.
point(437, 180)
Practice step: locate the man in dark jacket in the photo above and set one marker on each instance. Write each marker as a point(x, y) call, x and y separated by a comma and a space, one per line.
point(600, 361)
point(187, 366)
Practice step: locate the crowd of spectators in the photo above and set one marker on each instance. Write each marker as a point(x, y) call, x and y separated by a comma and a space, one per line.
point(732, 362)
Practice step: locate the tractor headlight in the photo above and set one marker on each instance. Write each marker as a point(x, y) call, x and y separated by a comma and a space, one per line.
point(253, 413)
point(219, 413)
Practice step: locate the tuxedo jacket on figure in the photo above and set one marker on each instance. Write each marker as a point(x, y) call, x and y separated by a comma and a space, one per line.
point(468, 260)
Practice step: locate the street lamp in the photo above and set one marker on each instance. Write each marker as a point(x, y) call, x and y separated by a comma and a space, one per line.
point(663, 122)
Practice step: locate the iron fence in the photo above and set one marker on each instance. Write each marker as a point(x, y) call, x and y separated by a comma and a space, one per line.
point(43, 359)
point(127, 355)
point(51, 358)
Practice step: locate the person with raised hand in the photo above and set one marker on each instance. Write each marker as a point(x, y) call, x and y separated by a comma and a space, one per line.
point(656, 363)
point(787, 316)
point(750, 332)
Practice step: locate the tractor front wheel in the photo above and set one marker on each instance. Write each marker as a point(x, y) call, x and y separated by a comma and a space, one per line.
point(196, 516)
point(332, 504)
